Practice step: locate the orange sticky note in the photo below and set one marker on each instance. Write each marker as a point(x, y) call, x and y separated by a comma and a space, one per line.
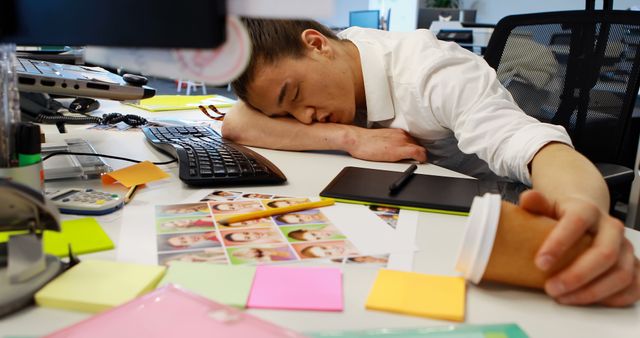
point(136, 174)
point(418, 294)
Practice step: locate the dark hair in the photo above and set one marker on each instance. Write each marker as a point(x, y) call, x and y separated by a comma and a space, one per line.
point(272, 40)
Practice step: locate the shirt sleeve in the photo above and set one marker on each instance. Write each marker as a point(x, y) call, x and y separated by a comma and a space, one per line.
point(464, 95)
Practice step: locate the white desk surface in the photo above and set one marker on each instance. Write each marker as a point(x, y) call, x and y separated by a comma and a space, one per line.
point(437, 238)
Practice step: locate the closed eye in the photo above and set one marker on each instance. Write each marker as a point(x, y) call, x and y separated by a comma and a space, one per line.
point(295, 96)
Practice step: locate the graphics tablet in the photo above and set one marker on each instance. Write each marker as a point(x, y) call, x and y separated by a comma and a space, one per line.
point(421, 192)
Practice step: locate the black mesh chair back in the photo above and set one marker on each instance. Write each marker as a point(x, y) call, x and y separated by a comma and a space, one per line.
point(578, 69)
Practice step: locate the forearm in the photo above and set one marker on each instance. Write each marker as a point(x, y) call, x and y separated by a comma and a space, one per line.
point(559, 172)
point(249, 127)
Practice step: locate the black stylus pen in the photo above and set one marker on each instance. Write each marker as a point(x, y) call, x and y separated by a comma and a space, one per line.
point(395, 186)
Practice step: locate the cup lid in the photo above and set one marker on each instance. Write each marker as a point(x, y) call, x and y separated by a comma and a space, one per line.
point(479, 235)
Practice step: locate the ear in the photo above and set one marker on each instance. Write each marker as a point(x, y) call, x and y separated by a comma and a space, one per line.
point(316, 41)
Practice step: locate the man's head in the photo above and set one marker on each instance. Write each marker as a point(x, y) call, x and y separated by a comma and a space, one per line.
point(301, 69)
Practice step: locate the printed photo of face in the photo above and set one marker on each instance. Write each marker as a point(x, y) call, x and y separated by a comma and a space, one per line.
point(286, 202)
point(235, 207)
point(210, 256)
point(251, 223)
point(221, 195)
point(183, 241)
point(376, 260)
point(312, 233)
point(260, 254)
point(384, 209)
point(166, 225)
point(190, 209)
point(239, 237)
point(301, 217)
point(330, 249)
point(256, 196)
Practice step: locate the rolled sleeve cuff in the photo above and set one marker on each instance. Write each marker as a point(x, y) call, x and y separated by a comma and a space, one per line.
point(525, 144)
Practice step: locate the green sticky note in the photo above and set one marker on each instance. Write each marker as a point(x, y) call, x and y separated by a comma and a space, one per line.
point(84, 234)
point(94, 286)
point(226, 284)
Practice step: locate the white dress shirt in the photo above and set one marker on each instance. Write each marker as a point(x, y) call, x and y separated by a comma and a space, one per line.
point(449, 100)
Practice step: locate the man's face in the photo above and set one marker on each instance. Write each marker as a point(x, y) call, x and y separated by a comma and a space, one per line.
point(313, 88)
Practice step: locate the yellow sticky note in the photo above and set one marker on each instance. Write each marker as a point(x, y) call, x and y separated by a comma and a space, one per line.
point(418, 294)
point(94, 286)
point(136, 174)
point(84, 234)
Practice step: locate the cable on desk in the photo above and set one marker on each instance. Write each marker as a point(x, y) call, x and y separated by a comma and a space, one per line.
point(102, 155)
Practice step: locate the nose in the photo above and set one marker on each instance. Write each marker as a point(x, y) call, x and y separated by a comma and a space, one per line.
point(306, 115)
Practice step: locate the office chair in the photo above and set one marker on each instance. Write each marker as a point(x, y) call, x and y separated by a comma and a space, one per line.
point(578, 69)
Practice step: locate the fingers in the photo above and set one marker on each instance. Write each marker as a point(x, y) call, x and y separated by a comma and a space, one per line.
point(615, 280)
point(629, 295)
point(417, 153)
point(575, 221)
point(534, 202)
point(600, 257)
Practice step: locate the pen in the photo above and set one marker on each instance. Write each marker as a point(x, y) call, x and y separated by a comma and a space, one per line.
point(395, 186)
point(129, 196)
point(276, 211)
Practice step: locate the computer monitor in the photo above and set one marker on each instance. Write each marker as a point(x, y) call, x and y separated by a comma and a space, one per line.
point(121, 23)
point(366, 19)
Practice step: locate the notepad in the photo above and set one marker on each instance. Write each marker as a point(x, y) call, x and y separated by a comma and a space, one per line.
point(182, 102)
point(94, 286)
point(226, 284)
point(297, 288)
point(411, 293)
point(137, 174)
point(84, 234)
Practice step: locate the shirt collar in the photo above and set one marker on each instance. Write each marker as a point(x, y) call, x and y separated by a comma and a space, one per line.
point(376, 85)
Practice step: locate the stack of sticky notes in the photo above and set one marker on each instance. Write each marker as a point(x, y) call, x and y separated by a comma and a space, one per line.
point(441, 297)
point(266, 287)
point(84, 235)
point(226, 284)
point(297, 288)
point(94, 286)
point(137, 174)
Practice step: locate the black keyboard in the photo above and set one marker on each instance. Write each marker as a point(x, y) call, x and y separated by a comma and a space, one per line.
point(206, 159)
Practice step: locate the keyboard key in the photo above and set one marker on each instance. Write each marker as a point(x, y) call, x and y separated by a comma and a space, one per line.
point(210, 160)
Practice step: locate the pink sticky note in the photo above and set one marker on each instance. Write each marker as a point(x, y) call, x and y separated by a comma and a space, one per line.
point(296, 288)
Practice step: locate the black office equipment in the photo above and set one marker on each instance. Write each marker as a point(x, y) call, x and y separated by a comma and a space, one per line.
point(451, 195)
point(456, 35)
point(119, 23)
point(206, 159)
point(581, 70)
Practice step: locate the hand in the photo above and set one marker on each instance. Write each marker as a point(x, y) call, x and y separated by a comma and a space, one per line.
point(387, 145)
point(607, 273)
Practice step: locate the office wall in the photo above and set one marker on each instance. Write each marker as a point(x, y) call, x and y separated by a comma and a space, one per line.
point(341, 11)
point(404, 13)
point(491, 11)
